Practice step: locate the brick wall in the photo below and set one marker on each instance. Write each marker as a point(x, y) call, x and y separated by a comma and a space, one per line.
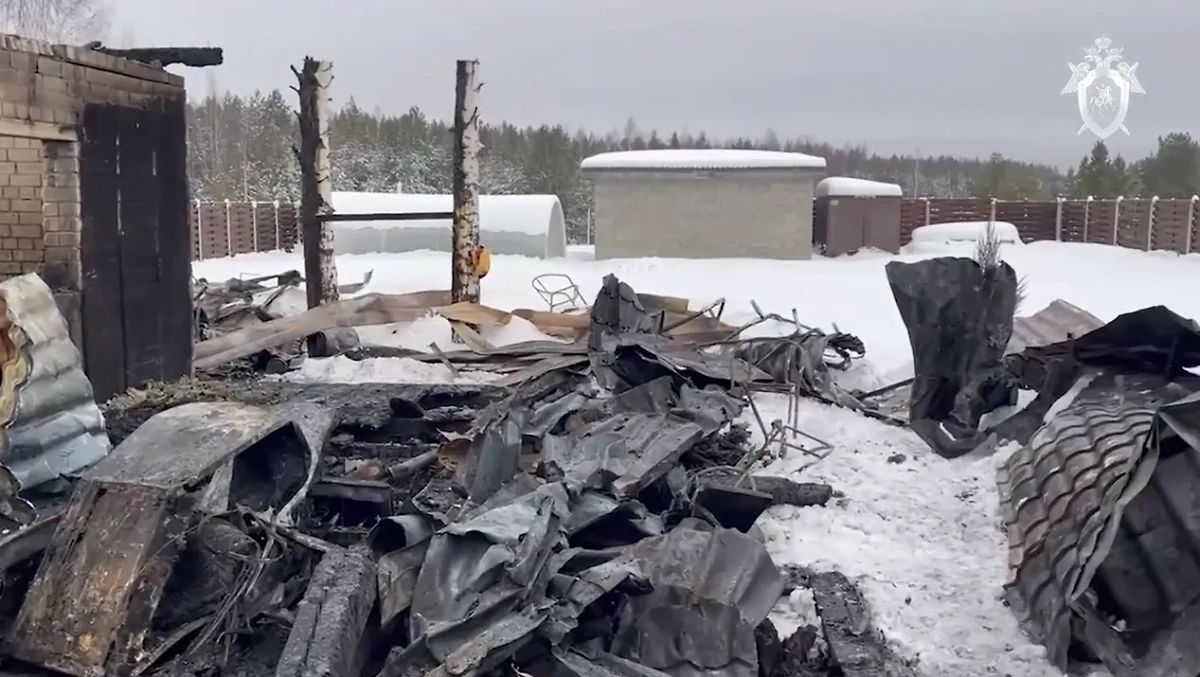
point(21, 167)
point(43, 89)
point(60, 213)
point(720, 214)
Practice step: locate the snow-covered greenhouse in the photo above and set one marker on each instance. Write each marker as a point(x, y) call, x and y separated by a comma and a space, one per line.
point(525, 225)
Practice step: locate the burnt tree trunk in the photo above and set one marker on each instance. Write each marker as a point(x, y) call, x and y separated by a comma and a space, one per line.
point(316, 181)
point(464, 284)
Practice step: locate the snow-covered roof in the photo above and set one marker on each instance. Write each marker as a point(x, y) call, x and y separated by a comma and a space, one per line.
point(702, 158)
point(846, 186)
point(526, 214)
point(966, 231)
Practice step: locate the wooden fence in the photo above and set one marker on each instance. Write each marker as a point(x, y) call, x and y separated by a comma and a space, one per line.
point(1149, 223)
point(222, 229)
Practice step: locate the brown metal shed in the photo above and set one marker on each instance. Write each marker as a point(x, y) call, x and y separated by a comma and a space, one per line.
point(855, 213)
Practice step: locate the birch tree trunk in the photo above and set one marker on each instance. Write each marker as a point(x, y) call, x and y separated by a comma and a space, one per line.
point(464, 284)
point(316, 181)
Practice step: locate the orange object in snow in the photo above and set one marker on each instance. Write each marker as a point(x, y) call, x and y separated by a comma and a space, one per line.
point(481, 261)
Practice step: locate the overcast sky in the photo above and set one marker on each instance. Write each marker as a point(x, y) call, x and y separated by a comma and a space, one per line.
point(960, 77)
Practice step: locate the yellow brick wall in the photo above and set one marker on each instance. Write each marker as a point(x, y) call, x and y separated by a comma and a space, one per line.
point(43, 89)
point(22, 249)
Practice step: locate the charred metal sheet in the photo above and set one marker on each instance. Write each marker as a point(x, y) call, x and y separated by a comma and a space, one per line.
point(399, 545)
point(959, 317)
point(1057, 322)
point(634, 359)
point(568, 663)
point(51, 424)
point(632, 449)
point(711, 589)
point(93, 599)
point(1151, 340)
point(494, 455)
point(21, 544)
point(1062, 497)
point(626, 348)
point(731, 507)
point(331, 621)
point(482, 566)
point(805, 359)
point(315, 424)
point(782, 490)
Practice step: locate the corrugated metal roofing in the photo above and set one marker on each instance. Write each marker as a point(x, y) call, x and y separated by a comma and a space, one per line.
point(1056, 322)
point(51, 424)
point(1063, 496)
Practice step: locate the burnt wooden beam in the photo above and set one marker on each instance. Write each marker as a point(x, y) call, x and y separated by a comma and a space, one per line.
point(333, 621)
point(196, 57)
point(854, 645)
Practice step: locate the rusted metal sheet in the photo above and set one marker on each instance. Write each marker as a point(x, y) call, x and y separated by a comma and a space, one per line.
point(90, 607)
point(50, 423)
point(1062, 496)
point(1056, 322)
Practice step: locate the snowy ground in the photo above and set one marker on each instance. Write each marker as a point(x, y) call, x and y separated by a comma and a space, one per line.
point(917, 532)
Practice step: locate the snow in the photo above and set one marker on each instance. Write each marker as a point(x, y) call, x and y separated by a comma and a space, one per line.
point(501, 218)
point(918, 533)
point(383, 370)
point(965, 231)
point(702, 158)
point(847, 186)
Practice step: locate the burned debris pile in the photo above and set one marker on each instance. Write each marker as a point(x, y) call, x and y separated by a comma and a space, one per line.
point(591, 517)
point(1099, 498)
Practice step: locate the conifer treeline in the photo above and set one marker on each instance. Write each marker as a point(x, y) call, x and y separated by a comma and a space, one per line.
point(240, 148)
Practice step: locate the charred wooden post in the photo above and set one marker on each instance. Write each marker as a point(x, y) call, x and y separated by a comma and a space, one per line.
point(464, 278)
point(333, 620)
point(195, 57)
point(316, 181)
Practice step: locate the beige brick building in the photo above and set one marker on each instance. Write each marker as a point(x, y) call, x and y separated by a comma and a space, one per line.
point(94, 198)
point(43, 90)
point(703, 203)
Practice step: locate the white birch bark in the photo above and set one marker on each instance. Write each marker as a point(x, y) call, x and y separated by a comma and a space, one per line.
point(464, 284)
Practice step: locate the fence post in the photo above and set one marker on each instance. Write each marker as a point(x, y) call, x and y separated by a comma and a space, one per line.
point(992, 212)
point(278, 235)
point(1087, 215)
point(1117, 219)
point(1187, 238)
point(926, 210)
point(199, 232)
point(254, 223)
point(228, 231)
point(1150, 223)
point(1058, 214)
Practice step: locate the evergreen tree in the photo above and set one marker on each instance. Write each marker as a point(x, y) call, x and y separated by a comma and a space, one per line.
point(241, 148)
point(1173, 171)
point(1102, 176)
